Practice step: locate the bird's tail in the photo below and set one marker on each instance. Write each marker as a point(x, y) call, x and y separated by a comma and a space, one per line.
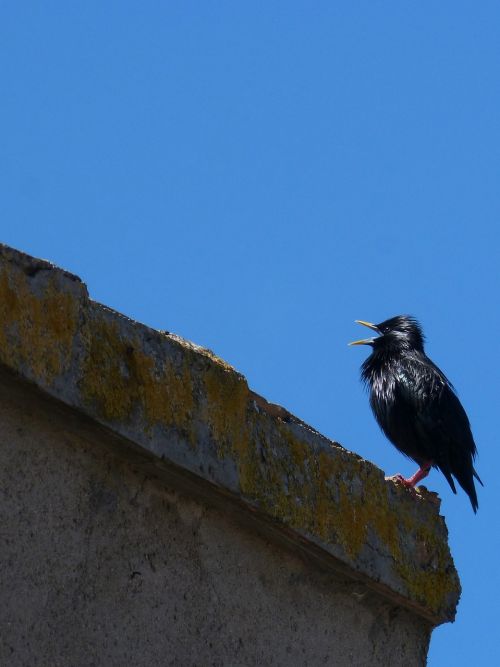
point(446, 472)
point(465, 477)
point(477, 476)
point(464, 474)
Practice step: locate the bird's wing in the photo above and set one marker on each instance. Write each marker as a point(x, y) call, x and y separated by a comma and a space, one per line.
point(437, 406)
point(440, 418)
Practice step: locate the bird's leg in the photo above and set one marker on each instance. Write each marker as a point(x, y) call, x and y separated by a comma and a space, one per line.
point(412, 481)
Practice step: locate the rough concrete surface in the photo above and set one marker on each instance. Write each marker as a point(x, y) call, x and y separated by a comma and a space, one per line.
point(336, 536)
point(102, 564)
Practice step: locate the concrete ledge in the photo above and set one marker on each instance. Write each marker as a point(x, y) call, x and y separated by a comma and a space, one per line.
point(185, 408)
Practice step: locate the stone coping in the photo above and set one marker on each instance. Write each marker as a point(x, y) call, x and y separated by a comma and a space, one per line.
point(185, 407)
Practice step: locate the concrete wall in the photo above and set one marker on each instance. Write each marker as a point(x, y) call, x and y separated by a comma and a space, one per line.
point(155, 510)
point(102, 564)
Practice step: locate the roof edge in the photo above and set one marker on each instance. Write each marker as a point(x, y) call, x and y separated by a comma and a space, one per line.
point(186, 407)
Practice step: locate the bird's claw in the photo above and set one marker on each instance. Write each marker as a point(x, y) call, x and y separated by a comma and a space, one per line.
point(398, 477)
point(407, 483)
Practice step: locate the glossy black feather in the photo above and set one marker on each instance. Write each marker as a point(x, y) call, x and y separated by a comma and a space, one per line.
point(416, 406)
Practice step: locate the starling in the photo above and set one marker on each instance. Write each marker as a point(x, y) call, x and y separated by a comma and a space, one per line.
point(416, 406)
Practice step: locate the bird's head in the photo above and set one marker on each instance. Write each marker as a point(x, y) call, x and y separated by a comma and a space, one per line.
point(399, 332)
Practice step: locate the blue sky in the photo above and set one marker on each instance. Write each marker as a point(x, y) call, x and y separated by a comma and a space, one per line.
point(254, 176)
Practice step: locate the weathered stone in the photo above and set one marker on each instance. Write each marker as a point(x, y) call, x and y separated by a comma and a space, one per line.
point(189, 415)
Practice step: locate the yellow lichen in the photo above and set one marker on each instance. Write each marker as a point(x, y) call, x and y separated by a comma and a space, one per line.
point(118, 378)
point(36, 329)
point(427, 575)
point(165, 392)
point(340, 499)
point(331, 496)
point(227, 398)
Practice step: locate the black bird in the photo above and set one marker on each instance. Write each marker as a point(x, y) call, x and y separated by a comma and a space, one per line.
point(416, 406)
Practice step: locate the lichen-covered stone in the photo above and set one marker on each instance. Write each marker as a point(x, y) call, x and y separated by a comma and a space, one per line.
point(184, 406)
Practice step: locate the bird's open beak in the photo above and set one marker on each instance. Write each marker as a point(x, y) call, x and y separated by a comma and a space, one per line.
point(365, 341)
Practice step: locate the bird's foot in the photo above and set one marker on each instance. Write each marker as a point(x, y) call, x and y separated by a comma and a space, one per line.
point(407, 483)
point(398, 477)
point(414, 479)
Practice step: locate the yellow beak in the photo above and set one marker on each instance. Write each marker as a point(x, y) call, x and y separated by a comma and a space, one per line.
point(367, 324)
point(365, 341)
